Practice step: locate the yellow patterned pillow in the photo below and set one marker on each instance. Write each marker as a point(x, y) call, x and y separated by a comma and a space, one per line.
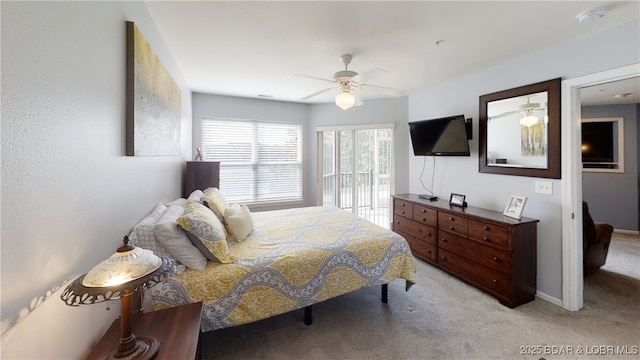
point(215, 200)
point(205, 231)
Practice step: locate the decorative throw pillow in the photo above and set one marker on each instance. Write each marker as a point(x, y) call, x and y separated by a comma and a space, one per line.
point(206, 232)
point(174, 239)
point(239, 221)
point(196, 195)
point(215, 200)
point(143, 234)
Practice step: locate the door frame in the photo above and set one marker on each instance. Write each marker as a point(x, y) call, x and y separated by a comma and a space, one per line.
point(572, 274)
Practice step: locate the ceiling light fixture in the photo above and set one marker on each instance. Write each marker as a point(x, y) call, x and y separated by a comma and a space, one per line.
point(621, 96)
point(528, 120)
point(345, 100)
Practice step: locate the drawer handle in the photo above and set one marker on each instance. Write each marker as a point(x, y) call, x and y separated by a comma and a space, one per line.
point(450, 227)
point(402, 212)
point(485, 228)
point(495, 258)
point(423, 211)
point(450, 218)
point(495, 281)
point(443, 258)
point(423, 219)
point(428, 234)
point(444, 240)
point(485, 238)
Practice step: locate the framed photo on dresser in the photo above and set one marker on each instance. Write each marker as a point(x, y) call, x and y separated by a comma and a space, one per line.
point(515, 206)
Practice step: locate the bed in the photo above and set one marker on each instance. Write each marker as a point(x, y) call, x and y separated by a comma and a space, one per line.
point(291, 259)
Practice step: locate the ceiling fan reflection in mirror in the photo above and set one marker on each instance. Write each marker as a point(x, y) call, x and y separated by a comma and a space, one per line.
point(347, 81)
point(527, 110)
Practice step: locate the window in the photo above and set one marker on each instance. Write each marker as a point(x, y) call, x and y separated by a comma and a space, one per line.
point(355, 167)
point(260, 161)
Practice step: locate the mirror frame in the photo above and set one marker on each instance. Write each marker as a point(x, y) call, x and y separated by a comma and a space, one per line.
point(552, 87)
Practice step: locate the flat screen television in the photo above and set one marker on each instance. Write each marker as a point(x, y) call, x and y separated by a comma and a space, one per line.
point(597, 142)
point(445, 136)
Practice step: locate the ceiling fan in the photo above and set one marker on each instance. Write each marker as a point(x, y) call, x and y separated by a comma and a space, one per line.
point(526, 110)
point(347, 81)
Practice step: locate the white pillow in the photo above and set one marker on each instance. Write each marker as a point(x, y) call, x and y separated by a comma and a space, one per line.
point(174, 239)
point(143, 235)
point(196, 195)
point(178, 201)
point(239, 221)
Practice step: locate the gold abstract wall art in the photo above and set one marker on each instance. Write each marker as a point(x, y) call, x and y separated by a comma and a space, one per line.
point(153, 101)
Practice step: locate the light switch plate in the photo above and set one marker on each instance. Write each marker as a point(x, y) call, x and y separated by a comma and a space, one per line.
point(544, 187)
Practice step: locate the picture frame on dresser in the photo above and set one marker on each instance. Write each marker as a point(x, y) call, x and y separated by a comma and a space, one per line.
point(514, 207)
point(457, 199)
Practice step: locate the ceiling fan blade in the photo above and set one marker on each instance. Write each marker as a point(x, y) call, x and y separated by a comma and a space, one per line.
point(371, 74)
point(388, 90)
point(359, 101)
point(314, 77)
point(508, 113)
point(318, 93)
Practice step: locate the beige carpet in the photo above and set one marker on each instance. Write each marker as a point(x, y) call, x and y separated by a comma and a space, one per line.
point(443, 318)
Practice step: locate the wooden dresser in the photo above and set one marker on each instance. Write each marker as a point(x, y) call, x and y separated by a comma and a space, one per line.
point(495, 253)
point(201, 175)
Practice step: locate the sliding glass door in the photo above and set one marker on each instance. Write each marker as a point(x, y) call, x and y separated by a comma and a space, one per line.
point(356, 167)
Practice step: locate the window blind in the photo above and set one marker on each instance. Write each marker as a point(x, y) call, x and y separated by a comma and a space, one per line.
point(260, 161)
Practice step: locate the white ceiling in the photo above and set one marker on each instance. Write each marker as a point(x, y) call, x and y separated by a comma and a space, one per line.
point(255, 49)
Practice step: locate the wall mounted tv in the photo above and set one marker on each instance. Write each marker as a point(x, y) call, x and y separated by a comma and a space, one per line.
point(597, 142)
point(446, 136)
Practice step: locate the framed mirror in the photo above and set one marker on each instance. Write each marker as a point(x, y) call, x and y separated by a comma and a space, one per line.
point(520, 131)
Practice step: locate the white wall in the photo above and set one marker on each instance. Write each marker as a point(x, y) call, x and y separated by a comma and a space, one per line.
point(69, 194)
point(460, 175)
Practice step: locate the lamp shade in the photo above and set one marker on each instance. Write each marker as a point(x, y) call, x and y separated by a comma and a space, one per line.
point(122, 267)
point(345, 100)
point(129, 270)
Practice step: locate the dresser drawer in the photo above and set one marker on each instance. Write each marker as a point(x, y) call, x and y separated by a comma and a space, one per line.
point(489, 279)
point(423, 249)
point(488, 234)
point(403, 208)
point(490, 257)
point(415, 229)
point(425, 215)
point(452, 223)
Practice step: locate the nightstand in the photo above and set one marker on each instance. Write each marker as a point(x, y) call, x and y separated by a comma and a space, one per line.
point(177, 329)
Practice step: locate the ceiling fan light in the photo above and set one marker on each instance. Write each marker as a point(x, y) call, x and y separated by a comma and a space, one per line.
point(345, 100)
point(529, 121)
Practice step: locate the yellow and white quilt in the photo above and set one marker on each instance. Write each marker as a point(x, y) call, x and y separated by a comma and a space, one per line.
point(292, 259)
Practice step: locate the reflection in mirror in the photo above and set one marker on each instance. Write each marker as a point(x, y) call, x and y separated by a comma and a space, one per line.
point(517, 131)
point(520, 131)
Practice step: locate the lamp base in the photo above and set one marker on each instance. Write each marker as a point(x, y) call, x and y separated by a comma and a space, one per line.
point(146, 348)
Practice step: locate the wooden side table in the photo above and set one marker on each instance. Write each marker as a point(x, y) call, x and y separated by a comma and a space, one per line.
point(177, 329)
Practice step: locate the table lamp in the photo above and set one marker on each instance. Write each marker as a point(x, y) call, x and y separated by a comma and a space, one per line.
point(130, 270)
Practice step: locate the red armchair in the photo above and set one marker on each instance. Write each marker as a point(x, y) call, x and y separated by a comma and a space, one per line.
point(596, 239)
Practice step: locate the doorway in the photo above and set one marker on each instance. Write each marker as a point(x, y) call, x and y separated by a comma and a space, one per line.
point(356, 170)
point(572, 274)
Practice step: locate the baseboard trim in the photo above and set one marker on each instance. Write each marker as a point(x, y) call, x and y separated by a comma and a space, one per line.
point(626, 232)
point(549, 298)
